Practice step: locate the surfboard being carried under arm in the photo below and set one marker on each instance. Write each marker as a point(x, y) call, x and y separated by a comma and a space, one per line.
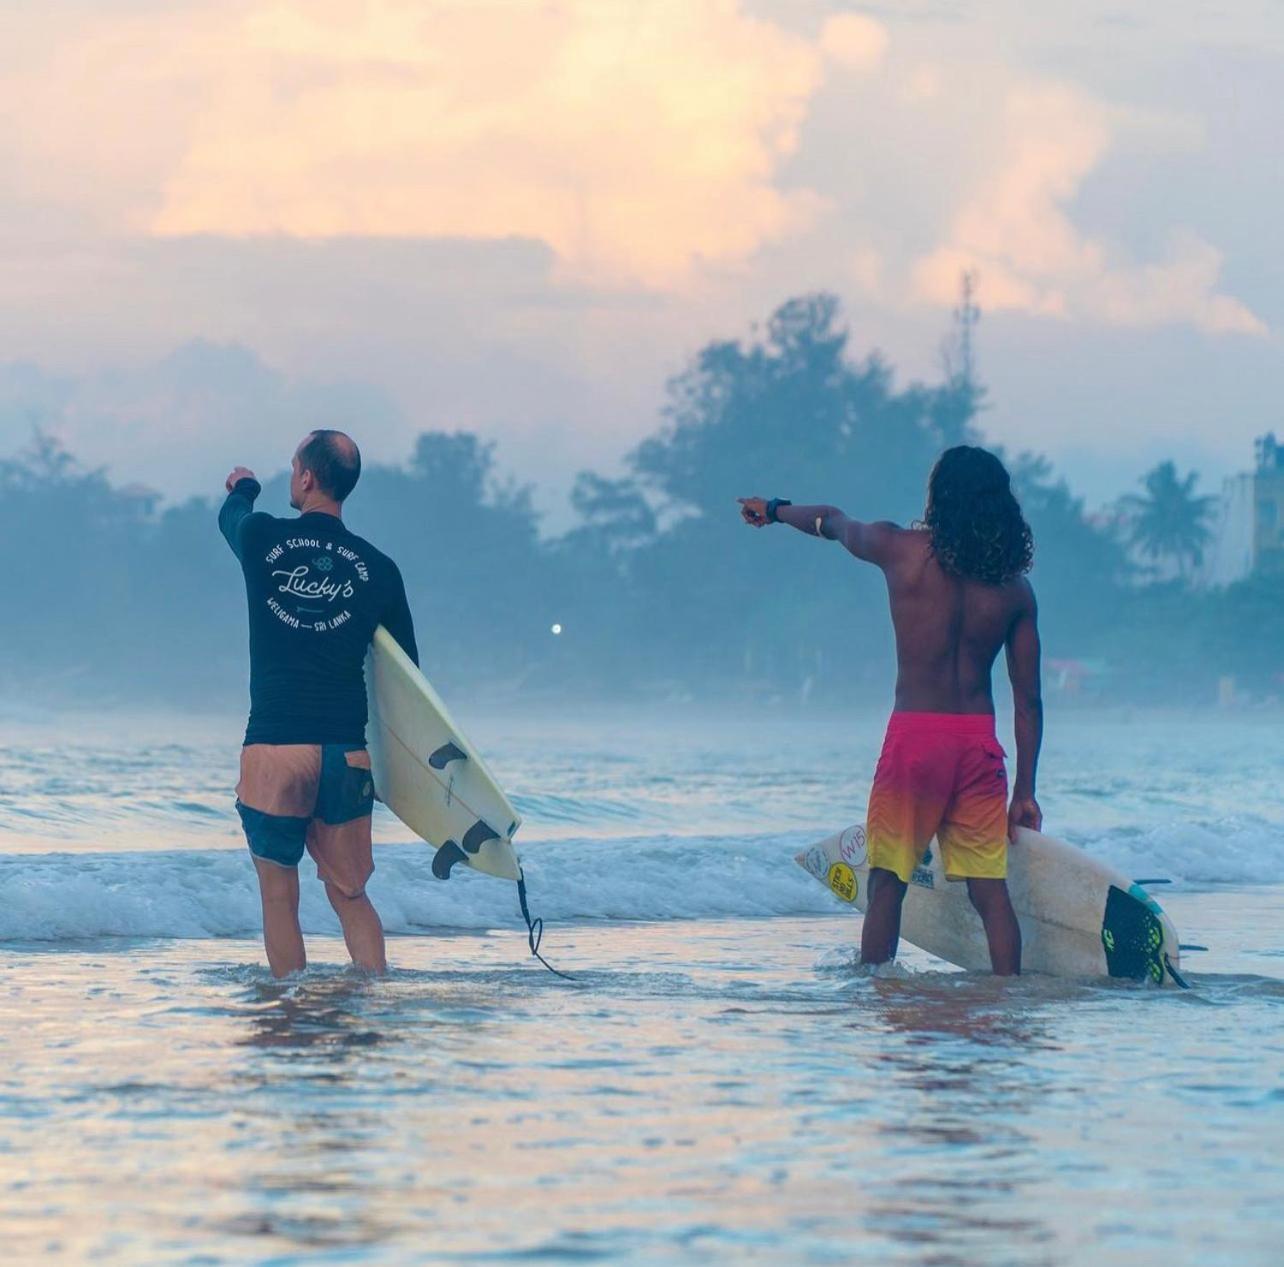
point(1078, 916)
point(435, 781)
point(427, 772)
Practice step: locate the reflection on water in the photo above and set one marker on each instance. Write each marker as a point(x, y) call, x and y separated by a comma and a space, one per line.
point(705, 1094)
point(320, 1014)
point(968, 1078)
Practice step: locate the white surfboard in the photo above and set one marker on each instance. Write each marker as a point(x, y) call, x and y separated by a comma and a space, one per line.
point(428, 774)
point(1078, 917)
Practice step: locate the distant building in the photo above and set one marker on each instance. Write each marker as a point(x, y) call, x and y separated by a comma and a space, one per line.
point(1268, 520)
point(1229, 555)
point(1248, 523)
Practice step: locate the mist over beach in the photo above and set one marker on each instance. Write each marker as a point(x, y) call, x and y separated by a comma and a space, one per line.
point(1172, 595)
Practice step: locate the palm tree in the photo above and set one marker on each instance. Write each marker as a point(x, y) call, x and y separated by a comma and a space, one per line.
point(1169, 520)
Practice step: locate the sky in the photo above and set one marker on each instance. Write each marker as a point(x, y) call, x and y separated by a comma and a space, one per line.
point(223, 222)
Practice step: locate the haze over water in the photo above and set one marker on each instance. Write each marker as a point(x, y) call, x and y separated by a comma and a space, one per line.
point(719, 1084)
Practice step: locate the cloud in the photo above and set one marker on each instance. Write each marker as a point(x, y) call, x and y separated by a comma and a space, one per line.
point(382, 337)
point(521, 217)
point(635, 139)
point(1013, 228)
point(865, 266)
point(923, 84)
point(854, 41)
point(175, 423)
point(638, 139)
point(1182, 285)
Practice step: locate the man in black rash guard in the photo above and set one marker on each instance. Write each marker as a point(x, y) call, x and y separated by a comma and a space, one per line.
point(316, 593)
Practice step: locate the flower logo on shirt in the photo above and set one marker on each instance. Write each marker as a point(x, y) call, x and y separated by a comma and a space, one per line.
point(323, 563)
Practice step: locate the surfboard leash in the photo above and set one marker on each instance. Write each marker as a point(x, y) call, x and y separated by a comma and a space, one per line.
point(535, 928)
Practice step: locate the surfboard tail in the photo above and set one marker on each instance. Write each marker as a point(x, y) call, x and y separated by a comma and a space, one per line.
point(1139, 941)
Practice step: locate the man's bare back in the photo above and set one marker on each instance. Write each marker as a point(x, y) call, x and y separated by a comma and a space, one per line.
point(949, 630)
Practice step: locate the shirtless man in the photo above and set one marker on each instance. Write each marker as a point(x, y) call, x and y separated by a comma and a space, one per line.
point(316, 593)
point(958, 594)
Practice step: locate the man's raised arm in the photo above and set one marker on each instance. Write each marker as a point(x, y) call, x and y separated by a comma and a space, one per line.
point(868, 541)
point(1024, 652)
point(242, 489)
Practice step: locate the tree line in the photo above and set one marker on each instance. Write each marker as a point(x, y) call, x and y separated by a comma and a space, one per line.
point(659, 592)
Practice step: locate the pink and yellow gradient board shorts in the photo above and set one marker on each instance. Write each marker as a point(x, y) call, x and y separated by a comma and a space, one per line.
point(942, 775)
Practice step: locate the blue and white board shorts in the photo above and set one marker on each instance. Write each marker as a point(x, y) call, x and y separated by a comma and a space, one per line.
point(313, 797)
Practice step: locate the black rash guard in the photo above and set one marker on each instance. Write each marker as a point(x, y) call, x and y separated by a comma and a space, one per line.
point(316, 592)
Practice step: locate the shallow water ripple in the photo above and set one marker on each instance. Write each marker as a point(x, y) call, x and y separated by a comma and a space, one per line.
point(719, 1085)
point(172, 1103)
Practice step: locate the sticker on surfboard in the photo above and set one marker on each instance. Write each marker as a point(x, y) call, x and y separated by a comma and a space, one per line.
point(842, 880)
point(851, 846)
point(1132, 936)
point(923, 877)
point(815, 861)
point(922, 874)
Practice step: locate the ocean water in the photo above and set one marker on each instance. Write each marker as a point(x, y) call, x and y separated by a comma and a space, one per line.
point(720, 1083)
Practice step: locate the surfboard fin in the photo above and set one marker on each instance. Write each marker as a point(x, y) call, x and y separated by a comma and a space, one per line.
point(477, 835)
point(445, 858)
point(445, 755)
point(452, 852)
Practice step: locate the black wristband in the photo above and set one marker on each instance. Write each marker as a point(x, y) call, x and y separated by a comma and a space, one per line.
point(773, 507)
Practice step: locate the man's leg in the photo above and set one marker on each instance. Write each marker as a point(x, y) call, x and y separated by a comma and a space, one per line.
point(362, 929)
point(282, 937)
point(990, 897)
point(881, 932)
point(274, 797)
point(339, 841)
point(912, 786)
point(974, 842)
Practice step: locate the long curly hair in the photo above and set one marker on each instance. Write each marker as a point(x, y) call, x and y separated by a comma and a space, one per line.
point(978, 530)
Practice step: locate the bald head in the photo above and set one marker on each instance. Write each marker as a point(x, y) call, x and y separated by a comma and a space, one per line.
point(333, 460)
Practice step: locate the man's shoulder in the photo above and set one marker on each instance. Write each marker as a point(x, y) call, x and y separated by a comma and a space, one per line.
point(258, 523)
point(1022, 589)
point(911, 537)
point(903, 544)
point(370, 552)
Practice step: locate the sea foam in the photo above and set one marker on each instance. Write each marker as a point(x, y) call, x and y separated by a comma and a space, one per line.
point(212, 893)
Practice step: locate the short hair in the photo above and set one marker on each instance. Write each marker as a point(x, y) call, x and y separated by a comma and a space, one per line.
point(978, 530)
point(334, 460)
